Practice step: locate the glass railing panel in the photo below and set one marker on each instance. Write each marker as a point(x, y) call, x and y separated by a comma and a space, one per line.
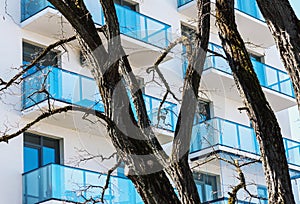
point(70, 90)
point(292, 149)
point(234, 135)
point(157, 33)
point(62, 86)
point(183, 2)
point(34, 83)
point(205, 135)
point(167, 115)
point(247, 139)
point(218, 62)
point(285, 84)
point(132, 23)
point(268, 76)
point(80, 90)
point(37, 185)
point(219, 131)
point(272, 78)
point(74, 185)
point(249, 7)
point(95, 9)
point(229, 134)
point(31, 7)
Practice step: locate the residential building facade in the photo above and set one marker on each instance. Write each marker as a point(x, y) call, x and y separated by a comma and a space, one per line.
point(61, 157)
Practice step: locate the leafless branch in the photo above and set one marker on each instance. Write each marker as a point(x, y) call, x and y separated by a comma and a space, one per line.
point(7, 137)
point(85, 156)
point(33, 63)
point(110, 171)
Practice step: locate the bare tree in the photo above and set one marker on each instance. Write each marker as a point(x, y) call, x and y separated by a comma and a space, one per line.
point(134, 140)
point(264, 121)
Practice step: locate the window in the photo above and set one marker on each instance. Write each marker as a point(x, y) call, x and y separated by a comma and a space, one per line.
point(190, 34)
point(256, 57)
point(127, 4)
point(262, 193)
point(30, 52)
point(207, 186)
point(202, 112)
point(39, 151)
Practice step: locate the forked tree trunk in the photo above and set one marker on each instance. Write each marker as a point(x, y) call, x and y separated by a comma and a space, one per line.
point(285, 28)
point(132, 145)
point(265, 124)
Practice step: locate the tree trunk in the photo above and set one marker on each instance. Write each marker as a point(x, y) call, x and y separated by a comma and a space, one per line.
point(265, 124)
point(285, 28)
point(182, 174)
point(132, 145)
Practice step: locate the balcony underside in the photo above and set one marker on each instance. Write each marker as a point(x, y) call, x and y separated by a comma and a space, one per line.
point(50, 23)
point(222, 84)
point(75, 121)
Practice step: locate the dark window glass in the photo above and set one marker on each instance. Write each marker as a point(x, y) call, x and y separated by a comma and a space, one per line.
point(256, 57)
point(30, 52)
point(39, 151)
point(202, 112)
point(188, 32)
point(207, 186)
point(127, 4)
point(31, 158)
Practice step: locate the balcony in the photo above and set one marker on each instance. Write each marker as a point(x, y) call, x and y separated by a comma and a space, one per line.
point(248, 7)
point(276, 84)
point(230, 136)
point(250, 22)
point(142, 36)
point(67, 87)
point(63, 183)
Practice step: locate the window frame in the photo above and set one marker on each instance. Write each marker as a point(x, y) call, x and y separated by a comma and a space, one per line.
point(39, 145)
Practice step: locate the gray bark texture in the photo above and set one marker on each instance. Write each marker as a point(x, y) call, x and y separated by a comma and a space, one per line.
point(265, 124)
point(135, 142)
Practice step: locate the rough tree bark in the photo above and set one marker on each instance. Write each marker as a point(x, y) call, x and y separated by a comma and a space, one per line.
point(134, 147)
point(285, 28)
point(265, 124)
point(181, 144)
point(134, 141)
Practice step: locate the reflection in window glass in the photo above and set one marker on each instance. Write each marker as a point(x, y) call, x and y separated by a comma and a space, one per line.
point(207, 186)
point(39, 151)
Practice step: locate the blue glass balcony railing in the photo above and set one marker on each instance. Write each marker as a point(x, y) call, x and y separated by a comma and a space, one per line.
point(269, 77)
point(218, 131)
point(183, 2)
point(132, 24)
point(248, 7)
point(68, 184)
point(73, 88)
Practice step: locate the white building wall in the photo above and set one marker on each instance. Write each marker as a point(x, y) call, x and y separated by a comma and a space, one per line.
point(75, 139)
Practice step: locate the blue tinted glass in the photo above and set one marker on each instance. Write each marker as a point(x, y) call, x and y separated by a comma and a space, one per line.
point(48, 155)
point(31, 159)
